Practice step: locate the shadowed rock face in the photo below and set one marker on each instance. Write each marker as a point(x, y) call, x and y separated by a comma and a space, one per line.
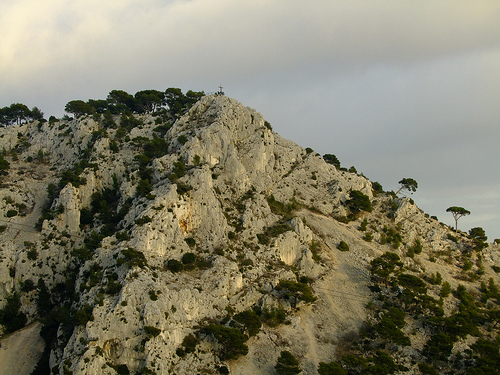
point(231, 210)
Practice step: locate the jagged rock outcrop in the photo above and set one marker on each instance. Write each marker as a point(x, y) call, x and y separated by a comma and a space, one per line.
point(146, 239)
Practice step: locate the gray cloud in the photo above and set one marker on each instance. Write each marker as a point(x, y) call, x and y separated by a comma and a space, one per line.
point(397, 88)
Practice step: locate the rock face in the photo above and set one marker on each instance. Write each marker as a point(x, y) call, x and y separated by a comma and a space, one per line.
point(147, 240)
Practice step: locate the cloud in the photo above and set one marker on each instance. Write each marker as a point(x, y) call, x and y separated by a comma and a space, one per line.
point(221, 34)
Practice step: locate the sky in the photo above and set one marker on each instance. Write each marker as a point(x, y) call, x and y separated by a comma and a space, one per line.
point(395, 88)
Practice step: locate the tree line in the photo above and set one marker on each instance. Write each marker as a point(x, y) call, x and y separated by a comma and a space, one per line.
point(17, 113)
point(144, 101)
point(117, 102)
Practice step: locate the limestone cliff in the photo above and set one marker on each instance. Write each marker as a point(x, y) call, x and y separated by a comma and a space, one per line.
point(139, 245)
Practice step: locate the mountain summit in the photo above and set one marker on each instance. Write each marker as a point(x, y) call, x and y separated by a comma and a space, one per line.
point(146, 244)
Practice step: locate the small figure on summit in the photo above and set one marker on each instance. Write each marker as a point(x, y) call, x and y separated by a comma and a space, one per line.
point(220, 92)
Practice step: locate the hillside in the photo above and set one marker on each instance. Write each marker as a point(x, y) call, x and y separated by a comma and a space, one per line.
point(206, 243)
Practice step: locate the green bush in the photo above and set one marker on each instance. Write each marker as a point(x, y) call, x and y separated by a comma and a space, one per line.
point(386, 264)
point(282, 209)
point(363, 225)
point(332, 368)
point(368, 237)
point(188, 345)
point(4, 165)
point(84, 315)
point(343, 246)
point(132, 258)
point(174, 266)
point(188, 258)
point(250, 320)
point(416, 248)
point(332, 159)
point(287, 364)
point(190, 241)
point(32, 254)
point(271, 232)
point(412, 282)
point(231, 340)
point(359, 202)
point(438, 347)
point(10, 316)
point(11, 213)
point(296, 289)
point(178, 171)
point(143, 220)
point(445, 290)
point(273, 316)
point(426, 369)
point(152, 331)
point(144, 187)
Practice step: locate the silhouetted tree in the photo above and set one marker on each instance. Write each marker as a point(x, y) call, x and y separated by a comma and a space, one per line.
point(121, 101)
point(79, 108)
point(149, 100)
point(457, 213)
point(408, 184)
point(332, 159)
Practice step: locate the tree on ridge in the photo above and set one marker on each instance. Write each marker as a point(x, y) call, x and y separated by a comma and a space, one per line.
point(408, 184)
point(457, 213)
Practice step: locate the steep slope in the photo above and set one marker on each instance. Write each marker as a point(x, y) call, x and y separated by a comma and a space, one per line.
point(206, 245)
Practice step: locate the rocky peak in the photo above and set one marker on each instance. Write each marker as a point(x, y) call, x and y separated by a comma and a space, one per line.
point(157, 244)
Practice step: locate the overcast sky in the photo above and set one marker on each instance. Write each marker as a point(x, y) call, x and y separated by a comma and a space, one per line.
point(395, 88)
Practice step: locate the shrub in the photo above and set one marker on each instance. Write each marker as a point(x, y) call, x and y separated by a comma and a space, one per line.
point(363, 225)
point(389, 329)
point(385, 264)
point(188, 345)
point(188, 258)
point(287, 364)
point(231, 340)
point(27, 285)
point(11, 213)
point(250, 320)
point(4, 165)
point(271, 232)
point(273, 316)
point(190, 241)
point(143, 220)
point(332, 159)
point(412, 282)
point(32, 254)
point(152, 331)
point(297, 289)
point(436, 279)
point(143, 188)
point(359, 202)
point(132, 258)
point(438, 347)
point(280, 208)
point(368, 237)
point(426, 369)
point(343, 246)
point(445, 290)
point(84, 315)
point(174, 266)
point(416, 248)
point(332, 368)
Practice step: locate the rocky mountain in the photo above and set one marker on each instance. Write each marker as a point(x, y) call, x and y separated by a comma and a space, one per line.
point(136, 244)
